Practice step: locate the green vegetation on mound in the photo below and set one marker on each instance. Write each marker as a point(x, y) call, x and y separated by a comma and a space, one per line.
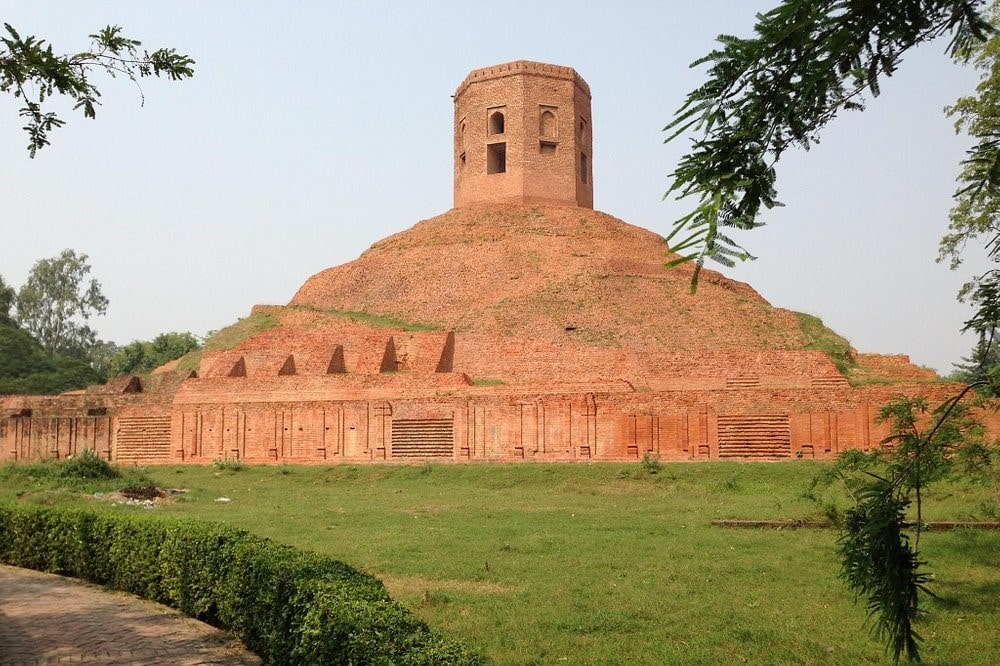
point(229, 337)
point(378, 321)
point(598, 564)
point(828, 341)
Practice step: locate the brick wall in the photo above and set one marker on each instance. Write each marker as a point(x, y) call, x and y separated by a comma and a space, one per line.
point(334, 394)
point(403, 417)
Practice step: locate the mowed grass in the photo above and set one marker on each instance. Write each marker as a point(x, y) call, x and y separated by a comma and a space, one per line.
point(602, 563)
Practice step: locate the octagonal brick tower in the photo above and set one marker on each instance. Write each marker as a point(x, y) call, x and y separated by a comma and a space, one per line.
point(523, 135)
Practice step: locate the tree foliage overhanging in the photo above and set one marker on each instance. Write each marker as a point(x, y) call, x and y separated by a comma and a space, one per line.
point(808, 61)
point(33, 73)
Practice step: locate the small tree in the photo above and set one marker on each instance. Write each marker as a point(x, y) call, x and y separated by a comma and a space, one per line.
point(56, 302)
point(982, 366)
point(879, 543)
point(7, 296)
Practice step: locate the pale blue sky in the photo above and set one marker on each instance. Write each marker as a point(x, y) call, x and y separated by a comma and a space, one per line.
point(313, 129)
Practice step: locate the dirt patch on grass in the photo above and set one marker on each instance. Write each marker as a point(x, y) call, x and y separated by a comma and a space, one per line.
point(408, 585)
point(143, 492)
point(148, 496)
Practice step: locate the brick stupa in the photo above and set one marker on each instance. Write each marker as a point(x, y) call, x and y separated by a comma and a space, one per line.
point(520, 325)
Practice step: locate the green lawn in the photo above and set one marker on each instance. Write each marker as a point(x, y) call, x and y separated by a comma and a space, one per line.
point(598, 564)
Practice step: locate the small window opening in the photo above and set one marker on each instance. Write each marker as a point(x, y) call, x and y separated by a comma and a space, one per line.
point(23, 413)
point(583, 128)
point(547, 147)
point(496, 158)
point(97, 411)
point(461, 160)
point(583, 167)
point(496, 122)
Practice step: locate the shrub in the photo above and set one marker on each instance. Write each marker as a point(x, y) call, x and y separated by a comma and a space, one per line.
point(289, 606)
point(88, 465)
point(650, 463)
point(231, 464)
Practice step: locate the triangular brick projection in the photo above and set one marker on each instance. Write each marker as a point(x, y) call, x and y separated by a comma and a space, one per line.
point(239, 368)
point(337, 365)
point(447, 362)
point(288, 367)
point(389, 361)
point(117, 386)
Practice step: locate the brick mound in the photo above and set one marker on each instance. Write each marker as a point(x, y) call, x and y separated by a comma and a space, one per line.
point(553, 275)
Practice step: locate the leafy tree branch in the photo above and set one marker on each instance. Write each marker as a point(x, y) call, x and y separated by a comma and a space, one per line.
point(33, 72)
point(808, 61)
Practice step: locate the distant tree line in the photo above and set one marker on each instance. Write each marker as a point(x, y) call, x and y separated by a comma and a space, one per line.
point(47, 344)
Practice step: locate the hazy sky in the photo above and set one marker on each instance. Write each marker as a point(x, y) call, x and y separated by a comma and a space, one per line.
point(313, 129)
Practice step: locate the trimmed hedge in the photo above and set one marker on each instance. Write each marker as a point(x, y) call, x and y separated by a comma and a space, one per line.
point(288, 606)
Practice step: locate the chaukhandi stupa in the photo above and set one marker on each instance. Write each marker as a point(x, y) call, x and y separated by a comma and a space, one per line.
point(522, 325)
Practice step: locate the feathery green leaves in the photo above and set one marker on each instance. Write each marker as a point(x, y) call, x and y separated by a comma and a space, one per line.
point(879, 564)
point(807, 61)
point(31, 71)
point(880, 559)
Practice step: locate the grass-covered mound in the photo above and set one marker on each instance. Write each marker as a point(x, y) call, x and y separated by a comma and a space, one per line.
point(228, 337)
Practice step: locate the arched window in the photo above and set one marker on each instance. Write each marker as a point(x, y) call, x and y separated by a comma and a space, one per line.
point(496, 122)
point(547, 125)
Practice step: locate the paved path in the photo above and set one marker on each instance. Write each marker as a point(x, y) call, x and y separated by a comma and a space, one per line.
point(47, 619)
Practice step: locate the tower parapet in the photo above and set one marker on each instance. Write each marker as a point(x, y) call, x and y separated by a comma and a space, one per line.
point(523, 135)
